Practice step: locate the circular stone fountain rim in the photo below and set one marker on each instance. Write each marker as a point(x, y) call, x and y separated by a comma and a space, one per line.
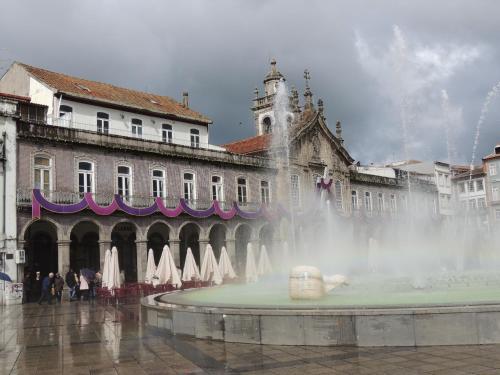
point(173, 300)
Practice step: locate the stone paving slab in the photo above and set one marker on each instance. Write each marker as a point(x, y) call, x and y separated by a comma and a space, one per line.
point(85, 338)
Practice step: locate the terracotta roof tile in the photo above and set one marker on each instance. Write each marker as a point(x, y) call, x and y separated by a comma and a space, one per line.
point(16, 97)
point(251, 145)
point(110, 94)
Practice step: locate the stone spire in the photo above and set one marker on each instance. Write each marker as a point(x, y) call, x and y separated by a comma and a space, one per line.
point(294, 103)
point(272, 78)
point(339, 132)
point(308, 104)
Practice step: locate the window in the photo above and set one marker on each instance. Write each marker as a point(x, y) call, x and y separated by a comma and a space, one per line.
point(295, 190)
point(166, 132)
point(497, 213)
point(472, 204)
point(492, 169)
point(441, 179)
point(65, 115)
point(394, 203)
point(479, 185)
point(137, 128)
point(195, 138)
point(461, 187)
point(471, 186)
point(264, 192)
point(404, 202)
point(242, 190)
point(189, 186)
point(447, 180)
point(123, 182)
point(494, 194)
point(85, 177)
point(102, 122)
point(158, 183)
point(481, 203)
point(354, 200)
point(217, 189)
point(266, 124)
point(380, 202)
point(368, 201)
point(42, 173)
point(338, 195)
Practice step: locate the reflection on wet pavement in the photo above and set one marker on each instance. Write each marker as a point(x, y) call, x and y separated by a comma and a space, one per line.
point(81, 338)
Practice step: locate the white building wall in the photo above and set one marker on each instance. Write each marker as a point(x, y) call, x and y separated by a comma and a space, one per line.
point(120, 123)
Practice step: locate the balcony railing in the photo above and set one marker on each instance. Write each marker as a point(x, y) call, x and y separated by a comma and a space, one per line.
point(24, 198)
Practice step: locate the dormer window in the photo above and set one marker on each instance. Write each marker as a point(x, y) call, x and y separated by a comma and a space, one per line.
point(137, 128)
point(102, 122)
point(166, 132)
point(65, 115)
point(195, 138)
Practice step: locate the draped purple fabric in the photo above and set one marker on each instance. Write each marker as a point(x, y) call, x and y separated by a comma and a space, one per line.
point(135, 211)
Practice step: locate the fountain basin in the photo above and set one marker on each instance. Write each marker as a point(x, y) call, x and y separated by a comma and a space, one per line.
point(234, 314)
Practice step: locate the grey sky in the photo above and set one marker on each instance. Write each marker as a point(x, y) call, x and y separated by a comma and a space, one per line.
point(220, 50)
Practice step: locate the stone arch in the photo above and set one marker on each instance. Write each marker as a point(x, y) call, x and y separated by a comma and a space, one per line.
point(124, 235)
point(217, 235)
point(84, 246)
point(41, 237)
point(158, 235)
point(189, 237)
point(243, 235)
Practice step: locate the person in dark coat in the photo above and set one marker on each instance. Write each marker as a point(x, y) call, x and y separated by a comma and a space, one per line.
point(71, 283)
point(27, 287)
point(58, 287)
point(47, 284)
point(36, 287)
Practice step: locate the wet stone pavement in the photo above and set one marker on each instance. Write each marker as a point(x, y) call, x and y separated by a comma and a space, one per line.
point(82, 338)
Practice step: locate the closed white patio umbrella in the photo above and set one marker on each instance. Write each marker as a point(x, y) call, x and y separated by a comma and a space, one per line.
point(264, 267)
point(190, 270)
point(209, 267)
point(106, 268)
point(225, 266)
point(166, 272)
point(250, 268)
point(114, 280)
point(150, 267)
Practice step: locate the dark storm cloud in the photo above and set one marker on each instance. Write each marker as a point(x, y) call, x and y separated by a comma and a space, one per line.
point(219, 51)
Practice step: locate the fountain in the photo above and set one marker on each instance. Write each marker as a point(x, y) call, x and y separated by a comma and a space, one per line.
point(406, 284)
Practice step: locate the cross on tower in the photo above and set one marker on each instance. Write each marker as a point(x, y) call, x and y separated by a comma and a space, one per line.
point(307, 77)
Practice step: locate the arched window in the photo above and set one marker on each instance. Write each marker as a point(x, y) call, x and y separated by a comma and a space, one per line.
point(217, 189)
point(42, 173)
point(65, 115)
point(381, 202)
point(158, 183)
point(266, 124)
point(102, 122)
point(354, 200)
point(339, 201)
point(189, 186)
point(124, 181)
point(166, 133)
point(368, 202)
point(242, 190)
point(85, 177)
point(195, 138)
point(137, 127)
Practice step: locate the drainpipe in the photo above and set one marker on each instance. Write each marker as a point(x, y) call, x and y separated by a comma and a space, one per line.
point(3, 197)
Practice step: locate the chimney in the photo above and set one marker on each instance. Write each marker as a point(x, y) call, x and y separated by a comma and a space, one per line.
point(185, 99)
point(497, 150)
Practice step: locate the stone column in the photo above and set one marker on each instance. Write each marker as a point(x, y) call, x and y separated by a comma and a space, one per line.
point(103, 246)
point(203, 246)
point(231, 250)
point(176, 251)
point(63, 256)
point(142, 259)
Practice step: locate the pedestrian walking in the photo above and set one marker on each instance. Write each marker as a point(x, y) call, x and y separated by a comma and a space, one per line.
point(84, 287)
point(47, 285)
point(58, 287)
point(71, 283)
point(36, 287)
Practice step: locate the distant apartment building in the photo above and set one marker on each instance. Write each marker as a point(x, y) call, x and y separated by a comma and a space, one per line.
point(492, 171)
